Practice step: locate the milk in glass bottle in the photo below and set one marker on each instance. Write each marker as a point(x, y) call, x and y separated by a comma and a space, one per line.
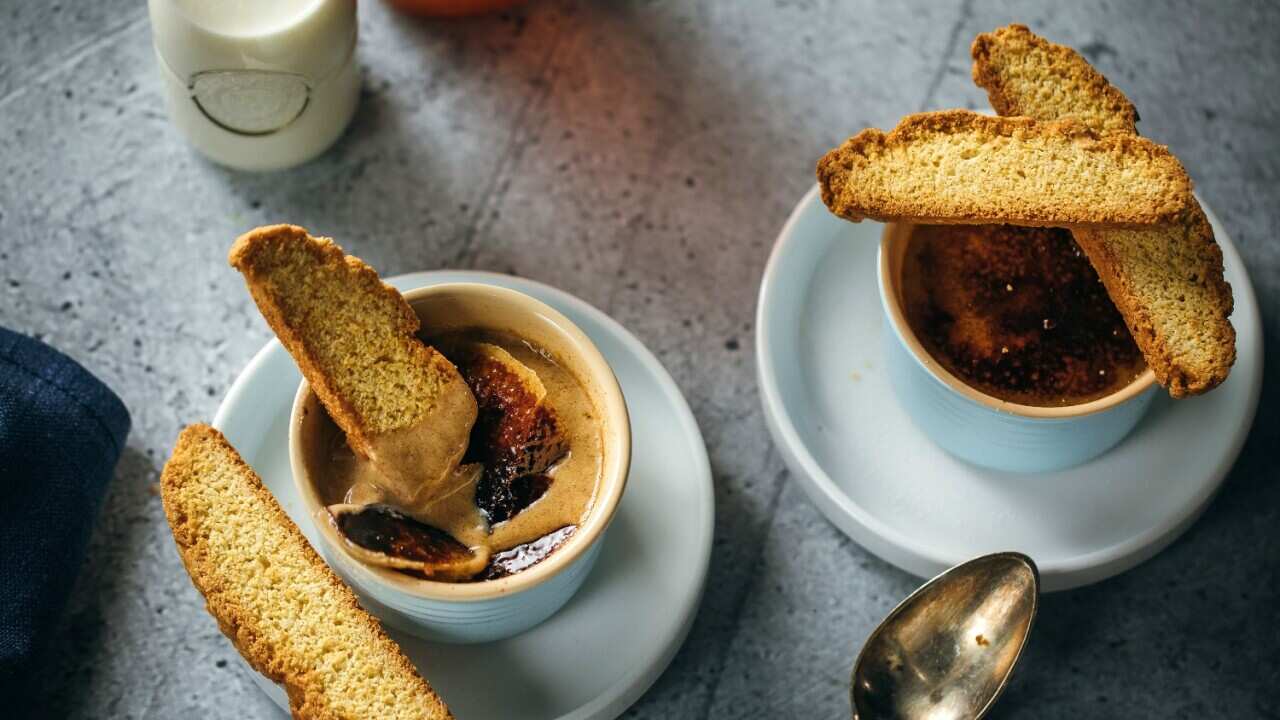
point(258, 84)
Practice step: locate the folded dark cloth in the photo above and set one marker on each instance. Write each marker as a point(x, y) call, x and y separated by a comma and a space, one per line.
point(61, 433)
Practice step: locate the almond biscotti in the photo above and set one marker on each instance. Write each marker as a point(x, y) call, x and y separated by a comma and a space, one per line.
point(400, 403)
point(1168, 286)
point(1167, 281)
point(1024, 74)
point(272, 595)
point(957, 166)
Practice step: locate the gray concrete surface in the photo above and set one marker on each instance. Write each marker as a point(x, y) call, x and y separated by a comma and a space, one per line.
point(643, 156)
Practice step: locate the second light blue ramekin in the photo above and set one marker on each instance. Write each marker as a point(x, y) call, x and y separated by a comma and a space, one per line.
point(982, 429)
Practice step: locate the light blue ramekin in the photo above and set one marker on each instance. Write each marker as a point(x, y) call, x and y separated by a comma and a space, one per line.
point(982, 429)
point(488, 610)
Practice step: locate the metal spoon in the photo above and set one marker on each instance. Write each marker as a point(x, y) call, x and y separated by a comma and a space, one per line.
point(946, 652)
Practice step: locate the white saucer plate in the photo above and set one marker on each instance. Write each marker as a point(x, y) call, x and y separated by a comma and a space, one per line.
point(828, 404)
point(598, 655)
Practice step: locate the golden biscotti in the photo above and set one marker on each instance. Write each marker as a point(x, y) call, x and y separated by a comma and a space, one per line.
point(1024, 74)
point(1166, 281)
point(1169, 288)
point(957, 166)
point(272, 595)
point(352, 337)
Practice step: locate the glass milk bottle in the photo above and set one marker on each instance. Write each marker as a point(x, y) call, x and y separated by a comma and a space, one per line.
point(258, 84)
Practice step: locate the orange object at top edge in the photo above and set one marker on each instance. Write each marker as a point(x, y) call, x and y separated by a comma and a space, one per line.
point(452, 8)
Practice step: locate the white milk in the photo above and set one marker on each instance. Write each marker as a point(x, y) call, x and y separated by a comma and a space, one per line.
point(258, 84)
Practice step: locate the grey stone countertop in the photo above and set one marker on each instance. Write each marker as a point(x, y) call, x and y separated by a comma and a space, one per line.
point(643, 156)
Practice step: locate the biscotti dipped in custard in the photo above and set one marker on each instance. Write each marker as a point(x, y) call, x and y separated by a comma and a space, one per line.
point(957, 166)
point(400, 403)
point(1166, 281)
point(286, 612)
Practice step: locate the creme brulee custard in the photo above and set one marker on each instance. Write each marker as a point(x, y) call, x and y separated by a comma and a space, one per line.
point(523, 478)
point(1017, 313)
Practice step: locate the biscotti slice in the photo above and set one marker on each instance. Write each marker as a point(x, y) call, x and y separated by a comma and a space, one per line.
point(957, 166)
point(272, 595)
point(1024, 74)
point(1168, 285)
point(400, 403)
point(1167, 281)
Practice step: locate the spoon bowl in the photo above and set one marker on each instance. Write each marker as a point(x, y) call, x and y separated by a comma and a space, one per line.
point(946, 652)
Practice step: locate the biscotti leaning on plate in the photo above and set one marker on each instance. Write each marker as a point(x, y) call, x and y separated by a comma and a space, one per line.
point(957, 166)
point(1166, 281)
point(286, 612)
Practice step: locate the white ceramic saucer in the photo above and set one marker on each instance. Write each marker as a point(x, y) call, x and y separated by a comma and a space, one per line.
point(600, 653)
point(832, 413)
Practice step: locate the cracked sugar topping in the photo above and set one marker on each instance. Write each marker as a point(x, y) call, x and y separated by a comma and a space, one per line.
point(1017, 313)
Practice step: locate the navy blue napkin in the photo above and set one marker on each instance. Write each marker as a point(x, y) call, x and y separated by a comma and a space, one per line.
point(61, 433)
